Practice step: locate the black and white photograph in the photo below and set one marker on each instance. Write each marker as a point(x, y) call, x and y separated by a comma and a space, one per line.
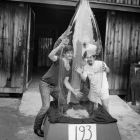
point(69, 69)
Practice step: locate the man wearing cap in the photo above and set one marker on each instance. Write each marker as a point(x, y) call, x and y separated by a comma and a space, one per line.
point(96, 71)
point(49, 82)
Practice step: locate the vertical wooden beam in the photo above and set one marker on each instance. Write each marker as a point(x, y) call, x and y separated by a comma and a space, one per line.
point(107, 37)
point(138, 2)
point(114, 1)
point(19, 50)
point(16, 80)
point(121, 1)
point(108, 0)
point(129, 1)
point(134, 2)
point(117, 1)
point(120, 53)
point(110, 47)
point(15, 45)
point(139, 40)
point(28, 46)
point(3, 76)
point(136, 40)
point(125, 49)
point(126, 1)
point(116, 51)
point(113, 18)
point(6, 49)
point(132, 47)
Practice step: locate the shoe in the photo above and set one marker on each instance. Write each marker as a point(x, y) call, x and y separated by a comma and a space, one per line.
point(39, 132)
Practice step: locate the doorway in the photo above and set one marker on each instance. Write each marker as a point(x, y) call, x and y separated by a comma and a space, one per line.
point(50, 22)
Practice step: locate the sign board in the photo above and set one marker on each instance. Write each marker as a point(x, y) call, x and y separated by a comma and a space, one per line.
point(82, 132)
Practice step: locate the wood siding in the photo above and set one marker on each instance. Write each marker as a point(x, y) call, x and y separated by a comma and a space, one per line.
point(122, 47)
point(30, 47)
point(118, 5)
point(13, 39)
point(130, 2)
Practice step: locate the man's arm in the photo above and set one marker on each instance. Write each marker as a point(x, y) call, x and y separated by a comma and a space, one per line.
point(105, 68)
point(59, 44)
point(52, 54)
point(77, 93)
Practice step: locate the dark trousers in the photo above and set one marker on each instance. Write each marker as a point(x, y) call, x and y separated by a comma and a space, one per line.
point(45, 90)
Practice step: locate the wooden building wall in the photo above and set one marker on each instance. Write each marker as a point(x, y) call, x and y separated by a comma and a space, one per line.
point(122, 48)
point(130, 2)
point(28, 68)
point(13, 39)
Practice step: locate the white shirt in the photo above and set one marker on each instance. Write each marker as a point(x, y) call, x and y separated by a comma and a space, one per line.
point(97, 77)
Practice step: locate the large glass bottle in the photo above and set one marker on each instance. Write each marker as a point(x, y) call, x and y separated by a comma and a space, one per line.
point(85, 31)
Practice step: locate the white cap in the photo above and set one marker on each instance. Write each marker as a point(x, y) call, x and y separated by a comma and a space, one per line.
point(91, 49)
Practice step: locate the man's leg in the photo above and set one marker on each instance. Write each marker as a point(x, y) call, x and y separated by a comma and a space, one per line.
point(45, 92)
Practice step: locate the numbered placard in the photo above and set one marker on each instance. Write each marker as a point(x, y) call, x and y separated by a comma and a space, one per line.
point(82, 132)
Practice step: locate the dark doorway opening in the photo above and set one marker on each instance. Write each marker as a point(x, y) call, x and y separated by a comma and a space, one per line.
point(50, 22)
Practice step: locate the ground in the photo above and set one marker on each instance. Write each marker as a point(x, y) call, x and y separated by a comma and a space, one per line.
point(136, 107)
point(17, 115)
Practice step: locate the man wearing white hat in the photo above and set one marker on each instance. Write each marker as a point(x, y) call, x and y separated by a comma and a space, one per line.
point(96, 72)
